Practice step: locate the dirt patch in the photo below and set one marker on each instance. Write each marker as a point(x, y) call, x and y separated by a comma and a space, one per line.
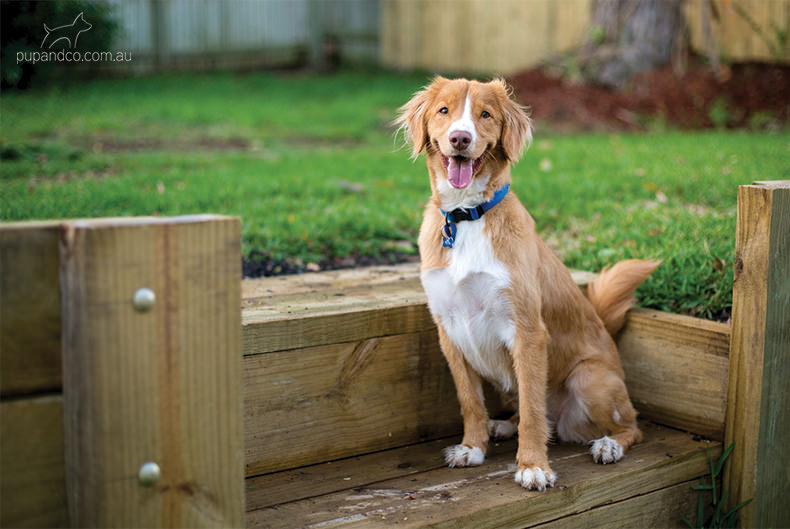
point(751, 95)
point(113, 145)
point(262, 264)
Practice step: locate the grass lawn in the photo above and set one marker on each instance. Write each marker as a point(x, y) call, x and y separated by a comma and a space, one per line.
point(311, 166)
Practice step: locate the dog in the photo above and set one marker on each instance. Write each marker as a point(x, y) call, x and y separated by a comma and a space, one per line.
point(506, 308)
point(70, 32)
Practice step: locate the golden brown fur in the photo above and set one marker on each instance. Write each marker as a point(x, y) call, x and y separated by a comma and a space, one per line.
point(562, 353)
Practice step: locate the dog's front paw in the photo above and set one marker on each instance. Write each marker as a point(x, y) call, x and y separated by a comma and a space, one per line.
point(536, 478)
point(606, 450)
point(501, 429)
point(463, 456)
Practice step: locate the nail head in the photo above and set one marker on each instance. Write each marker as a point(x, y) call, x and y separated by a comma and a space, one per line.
point(144, 299)
point(149, 474)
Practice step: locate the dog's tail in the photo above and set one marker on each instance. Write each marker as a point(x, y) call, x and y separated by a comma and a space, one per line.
point(612, 292)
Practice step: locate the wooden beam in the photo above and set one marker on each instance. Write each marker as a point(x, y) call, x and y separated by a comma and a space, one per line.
point(29, 308)
point(162, 384)
point(307, 406)
point(341, 306)
point(672, 360)
point(32, 482)
point(758, 406)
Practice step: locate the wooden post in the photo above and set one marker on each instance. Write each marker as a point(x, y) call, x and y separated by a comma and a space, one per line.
point(758, 407)
point(158, 383)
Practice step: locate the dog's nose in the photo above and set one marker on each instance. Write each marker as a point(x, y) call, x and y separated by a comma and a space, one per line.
point(460, 139)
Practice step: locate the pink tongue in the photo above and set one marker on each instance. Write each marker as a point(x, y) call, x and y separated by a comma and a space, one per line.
point(459, 173)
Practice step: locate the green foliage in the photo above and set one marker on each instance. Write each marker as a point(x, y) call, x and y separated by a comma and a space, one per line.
point(311, 166)
point(597, 35)
point(719, 113)
point(719, 517)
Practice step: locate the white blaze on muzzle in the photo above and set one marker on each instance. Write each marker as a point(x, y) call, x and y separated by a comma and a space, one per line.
point(460, 168)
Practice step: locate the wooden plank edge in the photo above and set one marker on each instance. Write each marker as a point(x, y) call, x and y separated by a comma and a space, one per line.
point(661, 508)
point(329, 329)
point(718, 331)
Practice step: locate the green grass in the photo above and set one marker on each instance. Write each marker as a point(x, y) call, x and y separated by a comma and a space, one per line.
point(311, 166)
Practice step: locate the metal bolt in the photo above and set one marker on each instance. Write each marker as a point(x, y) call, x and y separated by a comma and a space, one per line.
point(149, 474)
point(144, 299)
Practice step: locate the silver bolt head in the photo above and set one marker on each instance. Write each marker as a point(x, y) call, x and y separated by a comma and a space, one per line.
point(149, 474)
point(144, 299)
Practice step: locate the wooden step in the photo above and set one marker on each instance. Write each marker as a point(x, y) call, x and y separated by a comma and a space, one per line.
point(412, 487)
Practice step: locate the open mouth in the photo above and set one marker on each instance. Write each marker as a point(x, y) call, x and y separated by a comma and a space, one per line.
point(461, 169)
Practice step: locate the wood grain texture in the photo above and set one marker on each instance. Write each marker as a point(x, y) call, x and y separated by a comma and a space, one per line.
point(336, 307)
point(758, 411)
point(32, 479)
point(486, 496)
point(672, 360)
point(661, 508)
point(160, 386)
point(311, 405)
point(359, 471)
point(29, 308)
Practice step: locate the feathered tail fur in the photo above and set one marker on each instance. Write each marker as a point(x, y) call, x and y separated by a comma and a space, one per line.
point(612, 292)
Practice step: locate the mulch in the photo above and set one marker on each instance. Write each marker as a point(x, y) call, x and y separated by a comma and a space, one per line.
point(750, 95)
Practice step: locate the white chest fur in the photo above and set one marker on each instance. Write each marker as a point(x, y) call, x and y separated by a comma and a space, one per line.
point(468, 298)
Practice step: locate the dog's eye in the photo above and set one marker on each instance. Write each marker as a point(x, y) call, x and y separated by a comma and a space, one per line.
point(485, 114)
point(443, 110)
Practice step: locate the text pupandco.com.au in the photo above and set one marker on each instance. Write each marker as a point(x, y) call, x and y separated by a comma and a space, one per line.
point(34, 57)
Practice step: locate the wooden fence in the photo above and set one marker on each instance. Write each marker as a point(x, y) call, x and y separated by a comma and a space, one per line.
point(125, 342)
point(504, 36)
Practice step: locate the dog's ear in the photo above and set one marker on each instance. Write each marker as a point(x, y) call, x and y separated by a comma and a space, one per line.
point(516, 125)
point(412, 117)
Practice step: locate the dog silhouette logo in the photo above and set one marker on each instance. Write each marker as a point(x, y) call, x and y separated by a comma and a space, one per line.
point(68, 33)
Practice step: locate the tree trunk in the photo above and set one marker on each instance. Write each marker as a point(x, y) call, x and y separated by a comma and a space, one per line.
point(630, 36)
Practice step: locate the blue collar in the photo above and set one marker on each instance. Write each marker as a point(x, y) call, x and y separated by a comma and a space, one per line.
point(461, 214)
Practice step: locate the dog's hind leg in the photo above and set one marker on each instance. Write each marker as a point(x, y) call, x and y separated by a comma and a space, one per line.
point(469, 387)
point(505, 429)
point(499, 429)
point(601, 413)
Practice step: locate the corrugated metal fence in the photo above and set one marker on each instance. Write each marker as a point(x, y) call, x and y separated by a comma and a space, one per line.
point(197, 34)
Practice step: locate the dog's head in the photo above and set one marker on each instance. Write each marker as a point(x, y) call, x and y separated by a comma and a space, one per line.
point(467, 128)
